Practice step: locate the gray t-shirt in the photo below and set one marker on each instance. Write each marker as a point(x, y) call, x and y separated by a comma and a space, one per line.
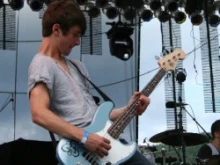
point(70, 96)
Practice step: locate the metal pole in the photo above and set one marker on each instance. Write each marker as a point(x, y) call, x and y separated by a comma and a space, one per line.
point(210, 54)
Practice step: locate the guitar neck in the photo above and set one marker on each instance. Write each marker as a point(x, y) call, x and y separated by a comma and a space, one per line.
point(119, 125)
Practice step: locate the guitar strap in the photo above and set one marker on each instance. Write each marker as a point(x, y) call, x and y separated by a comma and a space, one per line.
point(104, 96)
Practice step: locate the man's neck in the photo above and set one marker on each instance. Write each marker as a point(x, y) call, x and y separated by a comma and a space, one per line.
point(48, 48)
point(216, 143)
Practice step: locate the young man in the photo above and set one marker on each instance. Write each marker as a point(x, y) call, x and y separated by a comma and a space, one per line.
point(213, 148)
point(59, 96)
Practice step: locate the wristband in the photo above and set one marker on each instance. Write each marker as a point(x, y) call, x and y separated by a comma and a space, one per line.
point(85, 136)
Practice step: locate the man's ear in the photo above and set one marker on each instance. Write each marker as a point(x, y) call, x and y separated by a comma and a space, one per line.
point(56, 30)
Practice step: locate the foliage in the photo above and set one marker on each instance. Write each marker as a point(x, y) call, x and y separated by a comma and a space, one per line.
point(191, 152)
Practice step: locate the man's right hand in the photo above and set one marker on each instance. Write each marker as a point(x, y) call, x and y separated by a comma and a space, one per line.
point(98, 145)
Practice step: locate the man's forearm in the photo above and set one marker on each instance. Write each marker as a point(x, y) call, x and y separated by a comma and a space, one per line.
point(51, 122)
point(116, 113)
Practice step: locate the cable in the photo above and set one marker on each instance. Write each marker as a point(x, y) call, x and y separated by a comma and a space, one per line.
point(194, 116)
point(7, 101)
point(127, 79)
point(194, 59)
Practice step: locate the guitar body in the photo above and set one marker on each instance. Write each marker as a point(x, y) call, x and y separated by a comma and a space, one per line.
point(70, 152)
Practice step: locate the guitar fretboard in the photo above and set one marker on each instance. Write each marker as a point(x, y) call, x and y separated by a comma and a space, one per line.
point(119, 125)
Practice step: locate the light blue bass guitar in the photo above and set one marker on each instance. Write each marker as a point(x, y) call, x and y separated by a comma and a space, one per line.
point(70, 152)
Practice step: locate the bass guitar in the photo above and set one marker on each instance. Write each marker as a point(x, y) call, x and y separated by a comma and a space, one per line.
point(70, 152)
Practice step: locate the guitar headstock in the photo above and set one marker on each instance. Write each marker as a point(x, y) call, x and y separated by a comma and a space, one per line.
point(169, 62)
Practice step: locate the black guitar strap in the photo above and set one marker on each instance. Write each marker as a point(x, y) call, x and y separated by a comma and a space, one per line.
point(104, 96)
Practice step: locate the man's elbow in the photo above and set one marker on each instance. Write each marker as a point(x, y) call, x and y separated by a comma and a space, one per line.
point(36, 117)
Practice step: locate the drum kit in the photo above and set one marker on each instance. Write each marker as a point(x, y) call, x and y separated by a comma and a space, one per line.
point(173, 138)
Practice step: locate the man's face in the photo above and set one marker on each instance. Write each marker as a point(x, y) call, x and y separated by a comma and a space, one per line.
point(65, 43)
point(217, 135)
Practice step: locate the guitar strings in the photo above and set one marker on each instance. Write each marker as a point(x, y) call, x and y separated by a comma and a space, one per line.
point(90, 155)
point(133, 106)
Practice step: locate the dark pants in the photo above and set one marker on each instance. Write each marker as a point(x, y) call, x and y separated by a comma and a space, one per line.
point(137, 158)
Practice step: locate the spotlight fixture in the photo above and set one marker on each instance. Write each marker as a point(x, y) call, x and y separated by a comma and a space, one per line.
point(47, 2)
point(129, 14)
point(16, 4)
point(93, 11)
point(101, 3)
point(217, 3)
point(163, 16)
point(171, 5)
point(81, 2)
point(179, 17)
point(214, 20)
point(35, 5)
point(155, 4)
point(122, 51)
point(196, 19)
point(121, 4)
point(137, 4)
point(1, 3)
point(111, 12)
point(120, 43)
point(146, 15)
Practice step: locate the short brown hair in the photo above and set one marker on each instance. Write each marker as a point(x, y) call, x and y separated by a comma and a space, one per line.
point(65, 13)
point(215, 128)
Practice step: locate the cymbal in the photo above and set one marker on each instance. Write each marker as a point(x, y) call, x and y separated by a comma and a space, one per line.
point(190, 139)
point(157, 138)
point(173, 138)
point(214, 160)
point(169, 159)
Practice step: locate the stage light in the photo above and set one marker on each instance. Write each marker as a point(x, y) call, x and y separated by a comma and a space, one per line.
point(122, 51)
point(1, 3)
point(124, 4)
point(179, 17)
point(155, 4)
point(214, 20)
point(35, 5)
point(171, 5)
point(120, 43)
point(101, 3)
point(16, 4)
point(137, 4)
point(146, 15)
point(121, 4)
point(163, 16)
point(93, 11)
point(217, 3)
point(47, 2)
point(196, 19)
point(81, 2)
point(111, 12)
point(129, 14)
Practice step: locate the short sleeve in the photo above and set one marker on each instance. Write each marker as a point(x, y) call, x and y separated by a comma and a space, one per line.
point(40, 70)
point(204, 152)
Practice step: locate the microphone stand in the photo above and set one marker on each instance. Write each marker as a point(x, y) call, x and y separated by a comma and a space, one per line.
point(181, 77)
point(198, 124)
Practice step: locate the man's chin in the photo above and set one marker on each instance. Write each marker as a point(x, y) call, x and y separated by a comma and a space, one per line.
point(66, 53)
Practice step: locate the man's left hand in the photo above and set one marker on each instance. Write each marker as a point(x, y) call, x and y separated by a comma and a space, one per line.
point(142, 103)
